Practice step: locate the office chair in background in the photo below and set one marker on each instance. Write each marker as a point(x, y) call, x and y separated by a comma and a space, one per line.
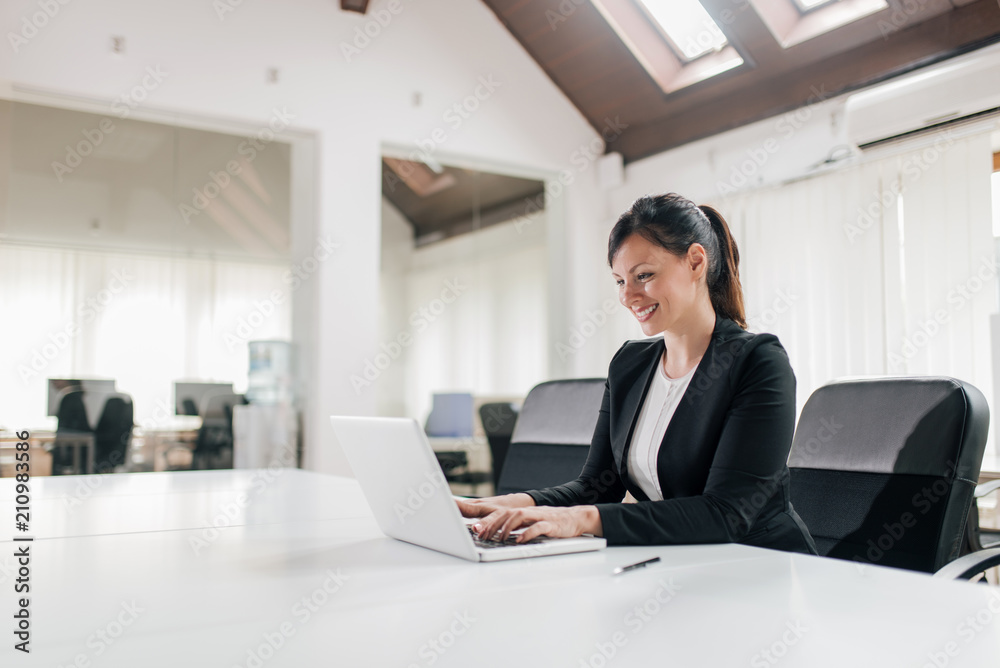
point(498, 422)
point(552, 435)
point(113, 434)
point(214, 445)
point(73, 445)
point(883, 470)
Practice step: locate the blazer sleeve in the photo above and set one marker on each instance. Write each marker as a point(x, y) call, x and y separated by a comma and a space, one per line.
point(599, 481)
point(751, 456)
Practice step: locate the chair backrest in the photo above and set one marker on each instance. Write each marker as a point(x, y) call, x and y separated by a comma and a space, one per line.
point(217, 422)
point(883, 469)
point(72, 414)
point(498, 422)
point(113, 432)
point(552, 434)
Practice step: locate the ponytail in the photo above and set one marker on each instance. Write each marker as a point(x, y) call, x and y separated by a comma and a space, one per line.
point(726, 291)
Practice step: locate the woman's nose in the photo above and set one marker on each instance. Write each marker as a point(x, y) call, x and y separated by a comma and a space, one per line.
point(629, 291)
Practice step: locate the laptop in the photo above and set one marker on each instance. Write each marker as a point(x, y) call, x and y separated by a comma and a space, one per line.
point(408, 494)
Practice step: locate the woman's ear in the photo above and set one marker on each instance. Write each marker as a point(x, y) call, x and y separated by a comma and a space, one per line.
point(697, 260)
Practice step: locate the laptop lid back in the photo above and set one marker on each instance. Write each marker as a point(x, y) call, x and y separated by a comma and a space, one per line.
point(403, 483)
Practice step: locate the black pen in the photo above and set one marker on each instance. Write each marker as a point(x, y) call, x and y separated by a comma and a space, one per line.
point(632, 567)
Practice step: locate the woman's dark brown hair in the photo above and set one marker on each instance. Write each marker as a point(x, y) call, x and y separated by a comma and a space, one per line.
point(674, 223)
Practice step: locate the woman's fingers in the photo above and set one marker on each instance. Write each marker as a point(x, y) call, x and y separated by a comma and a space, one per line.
point(495, 522)
point(515, 520)
point(543, 528)
point(471, 509)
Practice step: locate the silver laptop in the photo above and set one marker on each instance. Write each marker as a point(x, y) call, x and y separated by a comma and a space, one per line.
point(407, 491)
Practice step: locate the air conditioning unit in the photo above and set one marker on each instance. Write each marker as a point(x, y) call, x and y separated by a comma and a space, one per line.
point(956, 90)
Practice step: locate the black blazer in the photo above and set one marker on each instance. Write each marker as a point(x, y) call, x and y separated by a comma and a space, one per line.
point(722, 464)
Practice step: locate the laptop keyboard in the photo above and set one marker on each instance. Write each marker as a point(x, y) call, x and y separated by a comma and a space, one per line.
point(511, 540)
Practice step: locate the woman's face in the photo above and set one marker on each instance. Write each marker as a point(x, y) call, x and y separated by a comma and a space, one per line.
point(655, 285)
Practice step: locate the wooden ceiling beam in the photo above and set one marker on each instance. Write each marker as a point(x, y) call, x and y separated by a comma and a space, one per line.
point(592, 66)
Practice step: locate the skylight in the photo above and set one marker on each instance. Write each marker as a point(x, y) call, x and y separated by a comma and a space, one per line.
point(688, 25)
point(806, 5)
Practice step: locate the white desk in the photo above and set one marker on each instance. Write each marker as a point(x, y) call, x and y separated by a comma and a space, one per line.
point(208, 598)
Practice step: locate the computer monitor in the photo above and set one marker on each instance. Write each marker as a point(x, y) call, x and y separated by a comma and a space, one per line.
point(451, 415)
point(59, 386)
point(189, 397)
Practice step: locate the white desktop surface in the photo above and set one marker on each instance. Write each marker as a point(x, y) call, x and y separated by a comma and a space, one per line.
point(135, 539)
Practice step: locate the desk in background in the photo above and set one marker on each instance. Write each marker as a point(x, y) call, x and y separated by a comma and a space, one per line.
point(238, 568)
point(477, 453)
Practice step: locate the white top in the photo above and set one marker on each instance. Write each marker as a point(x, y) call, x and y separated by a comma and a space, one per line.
point(661, 401)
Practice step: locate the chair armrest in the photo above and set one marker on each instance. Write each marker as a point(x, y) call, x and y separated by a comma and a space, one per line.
point(986, 488)
point(964, 568)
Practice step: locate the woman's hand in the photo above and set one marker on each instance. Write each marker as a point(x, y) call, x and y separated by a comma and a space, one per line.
point(490, 504)
point(541, 521)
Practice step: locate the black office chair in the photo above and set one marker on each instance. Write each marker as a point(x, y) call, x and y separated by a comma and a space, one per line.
point(883, 470)
point(552, 435)
point(498, 422)
point(74, 437)
point(113, 433)
point(214, 444)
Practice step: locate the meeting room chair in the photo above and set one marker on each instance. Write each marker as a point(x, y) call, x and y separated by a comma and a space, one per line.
point(498, 423)
point(214, 444)
point(883, 470)
point(552, 434)
point(72, 447)
point(113, 434)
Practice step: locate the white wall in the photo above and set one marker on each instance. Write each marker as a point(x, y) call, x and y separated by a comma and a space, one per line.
point(469, 313)
point(215, 67)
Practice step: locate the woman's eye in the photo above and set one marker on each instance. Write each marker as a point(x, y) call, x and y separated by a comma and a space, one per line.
point(643, 277)
point(619, 282)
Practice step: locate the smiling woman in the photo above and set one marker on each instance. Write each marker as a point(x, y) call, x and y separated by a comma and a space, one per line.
point(695, 424)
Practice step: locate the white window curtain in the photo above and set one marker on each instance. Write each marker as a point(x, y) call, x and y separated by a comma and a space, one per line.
point(883, 268)
point(144, 320)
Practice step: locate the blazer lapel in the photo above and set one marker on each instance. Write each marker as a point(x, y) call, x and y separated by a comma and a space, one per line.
point(633, 404)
